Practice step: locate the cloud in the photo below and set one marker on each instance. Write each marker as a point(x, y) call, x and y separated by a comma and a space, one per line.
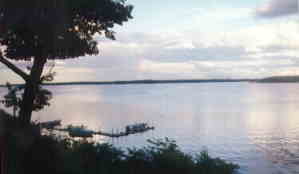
point(276, 8)
point(255, 50)
point(169, 68)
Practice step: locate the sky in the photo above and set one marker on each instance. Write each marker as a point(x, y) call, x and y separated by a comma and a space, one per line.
point(192, 39)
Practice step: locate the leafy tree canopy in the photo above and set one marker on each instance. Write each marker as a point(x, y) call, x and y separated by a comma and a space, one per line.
point(57, 29)
point(40, 30)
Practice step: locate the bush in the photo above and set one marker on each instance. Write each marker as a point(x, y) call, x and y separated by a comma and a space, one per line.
point(164, 156)
point(31, 152)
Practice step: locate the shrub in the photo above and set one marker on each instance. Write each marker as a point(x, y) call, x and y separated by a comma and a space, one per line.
point(31, 152)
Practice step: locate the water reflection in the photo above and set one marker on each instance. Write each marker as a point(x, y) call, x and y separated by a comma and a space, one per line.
point(255, 125)
point(273, 124)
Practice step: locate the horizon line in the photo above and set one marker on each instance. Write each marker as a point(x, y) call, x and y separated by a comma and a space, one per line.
point(144, 81)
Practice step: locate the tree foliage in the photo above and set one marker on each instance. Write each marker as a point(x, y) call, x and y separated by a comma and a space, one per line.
point(35, 30)
point(57, 29)
point(13, 99)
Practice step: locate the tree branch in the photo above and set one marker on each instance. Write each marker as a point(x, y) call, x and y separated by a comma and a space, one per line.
point(14, 68)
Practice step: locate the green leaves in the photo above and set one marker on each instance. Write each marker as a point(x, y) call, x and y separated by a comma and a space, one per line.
point(58, 29)
point(14, 98)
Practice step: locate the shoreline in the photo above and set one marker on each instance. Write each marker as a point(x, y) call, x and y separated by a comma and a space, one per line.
point(142, 82)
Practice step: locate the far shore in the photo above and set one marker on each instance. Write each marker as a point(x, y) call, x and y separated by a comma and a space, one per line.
point(143, 82)
point(273, 79)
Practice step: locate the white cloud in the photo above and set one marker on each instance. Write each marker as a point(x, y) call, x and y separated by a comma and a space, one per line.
point(245, 63)
point(162, 67)
point(255, 50)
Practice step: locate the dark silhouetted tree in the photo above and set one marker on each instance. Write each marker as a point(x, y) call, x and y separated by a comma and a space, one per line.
point(37, 31)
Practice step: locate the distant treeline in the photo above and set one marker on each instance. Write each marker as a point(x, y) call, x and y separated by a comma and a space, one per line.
point(144, 82)
point(280, 79)
point(274, 79)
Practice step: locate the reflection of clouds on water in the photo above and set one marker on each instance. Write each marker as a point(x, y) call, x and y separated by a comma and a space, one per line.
point(89, 106)
point(254, 125)
point(2, 93)
point(72, 106)
point(273, 124)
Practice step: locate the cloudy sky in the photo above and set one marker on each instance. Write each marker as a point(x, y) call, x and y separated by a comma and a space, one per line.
point(175, 39)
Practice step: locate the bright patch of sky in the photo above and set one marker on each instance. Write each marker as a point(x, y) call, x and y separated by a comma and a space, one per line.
point(173, 39)
point(177, 15)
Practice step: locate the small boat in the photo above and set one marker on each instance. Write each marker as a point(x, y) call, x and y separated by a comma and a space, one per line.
point(138, 128)
point(50, 124)
point(79, 131)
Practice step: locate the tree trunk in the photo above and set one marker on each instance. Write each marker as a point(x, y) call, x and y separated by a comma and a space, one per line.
point(30, 90)
point(2, 156)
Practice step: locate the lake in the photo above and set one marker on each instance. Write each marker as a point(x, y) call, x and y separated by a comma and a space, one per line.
point(254, 125)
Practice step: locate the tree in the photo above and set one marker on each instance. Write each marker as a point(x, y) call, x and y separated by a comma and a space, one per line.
point(37, 31)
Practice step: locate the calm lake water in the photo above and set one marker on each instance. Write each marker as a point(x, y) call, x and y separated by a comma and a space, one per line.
point(254, 125)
